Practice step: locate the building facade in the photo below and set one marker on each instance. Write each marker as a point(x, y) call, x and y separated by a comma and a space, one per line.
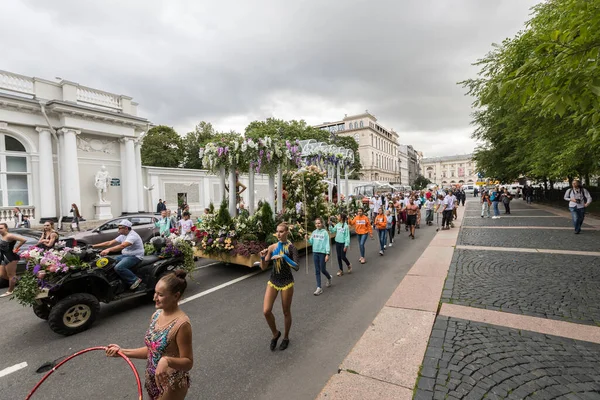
point(377, 146)
point(55, 136)
point(450, 170)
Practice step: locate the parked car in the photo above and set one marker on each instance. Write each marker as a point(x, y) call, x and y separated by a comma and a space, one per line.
point(143, 224)
point(32, 237)
point(469, 189)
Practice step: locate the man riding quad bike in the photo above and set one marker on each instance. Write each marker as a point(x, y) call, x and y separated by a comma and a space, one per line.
point(72, 304)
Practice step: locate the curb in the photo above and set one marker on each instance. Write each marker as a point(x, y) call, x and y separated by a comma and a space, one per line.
point(386, 360)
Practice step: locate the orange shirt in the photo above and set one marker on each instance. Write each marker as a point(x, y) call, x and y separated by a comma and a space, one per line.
point(381, 221)
point(362, 225)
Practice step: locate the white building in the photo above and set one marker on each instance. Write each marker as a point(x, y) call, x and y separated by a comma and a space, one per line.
point(55, 136)
point(450, 170)
point(377, 146)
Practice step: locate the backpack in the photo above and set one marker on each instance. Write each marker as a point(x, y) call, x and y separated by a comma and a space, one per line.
point(493, 196)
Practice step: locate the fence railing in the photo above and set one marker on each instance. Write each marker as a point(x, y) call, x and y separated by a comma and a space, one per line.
point(7, 214)
point(16, 83)
point(98, 97)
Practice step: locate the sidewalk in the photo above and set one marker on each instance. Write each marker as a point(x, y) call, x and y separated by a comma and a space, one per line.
point(488, 313)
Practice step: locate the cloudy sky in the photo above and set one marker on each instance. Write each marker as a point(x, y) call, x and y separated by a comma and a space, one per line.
point(232, 62)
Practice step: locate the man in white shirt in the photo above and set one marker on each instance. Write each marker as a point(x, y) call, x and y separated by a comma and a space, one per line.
point(130, 244)
point(448, 210)
point(579, 198)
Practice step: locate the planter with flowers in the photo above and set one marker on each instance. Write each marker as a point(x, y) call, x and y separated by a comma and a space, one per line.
point(44, 269)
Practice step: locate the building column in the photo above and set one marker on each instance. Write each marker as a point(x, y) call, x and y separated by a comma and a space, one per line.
point(138, 170)
point(69, 169)
point(130, 186)
point(47, 207)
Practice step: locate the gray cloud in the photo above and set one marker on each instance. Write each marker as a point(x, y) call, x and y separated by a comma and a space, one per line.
point(230, 62)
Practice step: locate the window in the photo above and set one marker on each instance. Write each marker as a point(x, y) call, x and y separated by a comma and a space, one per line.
point(361, 124)
point(136, 221)
point(14, 173)
point(429, 175)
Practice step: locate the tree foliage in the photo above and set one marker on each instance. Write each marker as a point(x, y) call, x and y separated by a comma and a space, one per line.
point(162, 147)
point(193, 141)
point(537, 96)
point(421, 182)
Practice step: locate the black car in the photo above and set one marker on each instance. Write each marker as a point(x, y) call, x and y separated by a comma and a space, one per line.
point(33, 237)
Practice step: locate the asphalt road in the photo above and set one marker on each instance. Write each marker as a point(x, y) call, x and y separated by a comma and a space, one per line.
point(231, 337)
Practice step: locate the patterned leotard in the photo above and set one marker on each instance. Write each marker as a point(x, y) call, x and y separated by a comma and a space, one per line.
point(161, 342)
point(281, 274)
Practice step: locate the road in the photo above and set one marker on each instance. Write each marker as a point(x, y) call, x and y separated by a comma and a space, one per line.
point(231, 337)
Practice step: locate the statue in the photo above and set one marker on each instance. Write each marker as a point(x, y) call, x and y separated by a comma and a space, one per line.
point(102, 181)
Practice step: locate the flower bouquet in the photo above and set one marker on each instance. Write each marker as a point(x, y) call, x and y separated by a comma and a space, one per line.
point(44, 269)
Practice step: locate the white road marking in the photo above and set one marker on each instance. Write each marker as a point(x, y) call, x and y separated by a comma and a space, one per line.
point(221, 286)
point(14, 368)
point(207, 265)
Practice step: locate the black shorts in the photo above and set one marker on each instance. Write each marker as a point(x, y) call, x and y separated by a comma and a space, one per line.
point(411, 220)
point(9, 257)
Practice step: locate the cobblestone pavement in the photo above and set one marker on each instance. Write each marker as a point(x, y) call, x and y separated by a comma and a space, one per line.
point(471, 360)
point(549, 222)
point(555, 286)
point(534, 238)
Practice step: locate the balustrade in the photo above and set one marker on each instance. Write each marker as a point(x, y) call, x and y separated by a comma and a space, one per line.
point(8, 215)
point(98, 97)
point(16, 83)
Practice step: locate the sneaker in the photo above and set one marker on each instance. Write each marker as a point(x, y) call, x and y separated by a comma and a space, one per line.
point(318, 291)
point(135, 284)
point(380, 252)
point(328, 283)
point(350, 268)
point(390, 245)
point(494, 217)
point(482, 216)
point(6, 294)
point(340, 273)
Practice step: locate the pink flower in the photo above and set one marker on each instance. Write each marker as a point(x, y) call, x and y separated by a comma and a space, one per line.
point(52, 268)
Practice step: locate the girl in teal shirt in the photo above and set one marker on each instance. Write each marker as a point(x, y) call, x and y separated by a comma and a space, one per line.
point(342, 242)
point(319, 239)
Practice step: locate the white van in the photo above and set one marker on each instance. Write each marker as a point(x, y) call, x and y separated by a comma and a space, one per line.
point(469, 189)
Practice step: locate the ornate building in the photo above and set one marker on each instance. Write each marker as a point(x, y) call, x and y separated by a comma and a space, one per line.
point(450, 170)
point(377, 146)
point(55, 136)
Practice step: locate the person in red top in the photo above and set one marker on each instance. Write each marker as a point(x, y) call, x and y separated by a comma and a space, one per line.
point(363, 227)
point(381, 226)
point(428, 194)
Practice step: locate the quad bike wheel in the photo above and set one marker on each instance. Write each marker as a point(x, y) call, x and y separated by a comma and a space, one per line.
point(41, 311)
point(74, 314)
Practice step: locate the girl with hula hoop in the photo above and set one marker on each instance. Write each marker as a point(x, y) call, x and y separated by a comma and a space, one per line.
point(168, 343)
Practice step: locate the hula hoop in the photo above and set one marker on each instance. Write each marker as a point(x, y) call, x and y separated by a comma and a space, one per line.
point(137, 377)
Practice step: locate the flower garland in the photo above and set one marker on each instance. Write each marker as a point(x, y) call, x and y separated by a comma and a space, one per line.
point(262, 156)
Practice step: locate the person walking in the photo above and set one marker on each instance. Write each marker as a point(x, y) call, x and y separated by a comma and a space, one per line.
point(429, 204)
point(9, 256)
point(342, 242)
point(579, 198)
point(485, 204)
point(168, 340)
point(76, 218)
point(18, 217)
point(412, 209)
point(506, 197)
point(284, 256)
point(495, 199)
point(381, 226)
point(528, 194)
point(160, 206)
point(362, 227)
point(389, 227)
point(319, 240)
point(447, 211)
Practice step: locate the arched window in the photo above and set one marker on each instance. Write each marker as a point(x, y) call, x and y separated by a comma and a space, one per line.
point(361, 124)
point(14, 172)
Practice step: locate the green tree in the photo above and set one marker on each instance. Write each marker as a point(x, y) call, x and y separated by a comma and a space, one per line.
point(421, 182)
point(536, 96)
point(287, 130)
point(193, 141)
point(162, 147)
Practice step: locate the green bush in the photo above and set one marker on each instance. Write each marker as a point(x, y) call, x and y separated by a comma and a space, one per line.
point(223, 218)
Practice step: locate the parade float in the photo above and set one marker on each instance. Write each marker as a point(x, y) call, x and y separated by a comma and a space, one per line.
point(302, 176)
